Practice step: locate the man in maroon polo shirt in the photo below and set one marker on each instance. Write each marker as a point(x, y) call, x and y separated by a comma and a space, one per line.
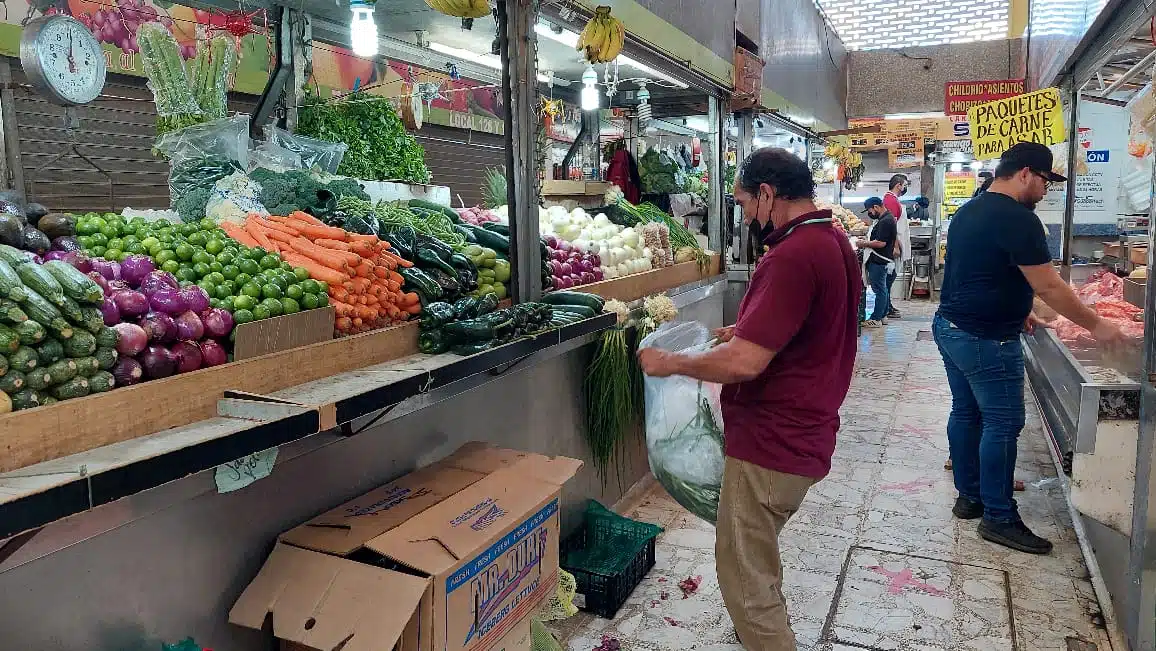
point(786, 366)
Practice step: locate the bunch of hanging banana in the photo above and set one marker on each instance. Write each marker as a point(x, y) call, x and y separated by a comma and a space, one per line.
point(461, 8)
point(603, 37)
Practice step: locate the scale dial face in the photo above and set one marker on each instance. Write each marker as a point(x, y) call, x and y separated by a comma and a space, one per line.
point(63, 60)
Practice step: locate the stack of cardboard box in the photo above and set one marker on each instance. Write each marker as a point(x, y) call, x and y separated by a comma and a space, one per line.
point(453, 557)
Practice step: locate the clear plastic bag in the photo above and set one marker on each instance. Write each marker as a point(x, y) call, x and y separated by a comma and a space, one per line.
point(233, 198)
point(684, 436)
point(314, 154)
point(205, 153)
point(273, 157)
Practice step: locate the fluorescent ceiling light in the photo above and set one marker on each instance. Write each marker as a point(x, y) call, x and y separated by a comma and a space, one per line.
point(488, 60)
point(914, 116)
point(567, 37)
point(570, 39)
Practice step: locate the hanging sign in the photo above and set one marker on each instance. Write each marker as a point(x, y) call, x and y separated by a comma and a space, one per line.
point(958, 185)
point(947, 147)
point(905, 150)
point(953, 127)
point(1034, 117)
point(962, 95)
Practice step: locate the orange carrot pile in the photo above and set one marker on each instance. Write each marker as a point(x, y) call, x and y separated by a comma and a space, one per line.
point(361, 271)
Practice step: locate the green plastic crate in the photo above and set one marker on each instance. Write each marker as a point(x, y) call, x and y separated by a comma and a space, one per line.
point(608, 557)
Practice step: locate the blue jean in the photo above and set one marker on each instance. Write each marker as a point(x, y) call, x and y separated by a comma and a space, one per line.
point(987, 413)
point(877, 275)
point(891, 288)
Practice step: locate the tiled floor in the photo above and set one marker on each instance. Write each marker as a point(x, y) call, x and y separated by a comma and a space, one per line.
point(874, 560)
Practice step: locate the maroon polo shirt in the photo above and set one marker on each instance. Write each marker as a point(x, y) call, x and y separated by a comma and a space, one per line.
point(803, 303)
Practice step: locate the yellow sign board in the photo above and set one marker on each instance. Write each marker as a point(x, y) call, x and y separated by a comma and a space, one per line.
point(904, 150)
point(1033, 117)
point(958, 185)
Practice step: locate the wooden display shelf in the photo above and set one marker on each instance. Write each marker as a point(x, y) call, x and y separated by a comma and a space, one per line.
point(73, 426)
point(636, 286)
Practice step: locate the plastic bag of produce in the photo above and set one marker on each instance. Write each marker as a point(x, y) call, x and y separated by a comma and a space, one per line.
point(684, 435)
point(233, 198)
point(273, 157)
point(315, 154)
point(174, 96)
point(209, 73)
point(201, 155)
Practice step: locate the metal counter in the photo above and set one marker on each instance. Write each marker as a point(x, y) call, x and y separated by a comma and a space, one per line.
point(1091, 413)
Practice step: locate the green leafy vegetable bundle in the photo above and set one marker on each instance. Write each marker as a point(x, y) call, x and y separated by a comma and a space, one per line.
point(660, 174)
point(380, 149)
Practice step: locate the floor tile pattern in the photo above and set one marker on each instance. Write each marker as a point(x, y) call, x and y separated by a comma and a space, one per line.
point(874, 560)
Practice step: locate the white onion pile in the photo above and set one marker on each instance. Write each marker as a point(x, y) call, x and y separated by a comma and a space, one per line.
point(619, 249)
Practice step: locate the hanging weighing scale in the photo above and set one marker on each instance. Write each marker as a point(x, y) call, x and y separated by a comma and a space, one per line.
point(65, 63)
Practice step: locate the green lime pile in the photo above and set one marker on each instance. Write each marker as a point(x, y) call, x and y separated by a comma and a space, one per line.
point(251, 283)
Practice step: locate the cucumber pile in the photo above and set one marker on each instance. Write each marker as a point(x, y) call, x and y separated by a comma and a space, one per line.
point(473, 325)
point(53, 340)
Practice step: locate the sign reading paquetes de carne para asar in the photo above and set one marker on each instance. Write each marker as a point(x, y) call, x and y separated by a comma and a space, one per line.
point(1032, 117)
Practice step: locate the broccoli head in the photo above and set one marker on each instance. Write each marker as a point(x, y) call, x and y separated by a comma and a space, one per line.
point(191, 205)
point(346, 187)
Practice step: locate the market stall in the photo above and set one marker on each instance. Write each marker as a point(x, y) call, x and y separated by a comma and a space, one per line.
point(1097, 404)
point(344, 295)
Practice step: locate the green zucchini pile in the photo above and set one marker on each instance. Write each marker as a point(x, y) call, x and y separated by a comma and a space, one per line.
point(54, 344)
point(475, 324)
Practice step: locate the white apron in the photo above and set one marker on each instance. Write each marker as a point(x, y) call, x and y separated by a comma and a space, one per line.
point(903, 229)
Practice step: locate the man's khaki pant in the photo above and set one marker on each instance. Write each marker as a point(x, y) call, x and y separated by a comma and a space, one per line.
point(755, 505)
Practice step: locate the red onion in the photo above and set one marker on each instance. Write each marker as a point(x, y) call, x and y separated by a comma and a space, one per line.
point(107, 268)
point(131, 304)
point(134, 269)
point(55, 255)
point(131, 339)
point(127, 372)
point(218, 322)
point(551, 241)
point(158, 280)
point(110, 312)
point(157, 362)
point(189, 325)
point(196, 298)
point(188, 356)
point(567, 269)
point(160, 327)
point(169, 301)
point(212, 353)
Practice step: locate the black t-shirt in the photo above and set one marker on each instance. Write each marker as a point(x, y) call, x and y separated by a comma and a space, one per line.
point(885, 231)
point(984, 292)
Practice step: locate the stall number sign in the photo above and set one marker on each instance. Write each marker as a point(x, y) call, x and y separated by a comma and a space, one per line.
point(905, 150)
point(959, 96)
point(1033, 117)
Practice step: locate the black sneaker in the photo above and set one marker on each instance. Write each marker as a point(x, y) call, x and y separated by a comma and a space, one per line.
point(894, 314)
point(966, 509)
point(1015, 535)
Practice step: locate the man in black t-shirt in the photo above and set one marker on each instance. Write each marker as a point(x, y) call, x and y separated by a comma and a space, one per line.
point(879, 254)
point(997, 260)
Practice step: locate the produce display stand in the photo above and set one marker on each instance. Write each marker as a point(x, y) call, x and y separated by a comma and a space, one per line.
point(233, 411)
point(634, 287)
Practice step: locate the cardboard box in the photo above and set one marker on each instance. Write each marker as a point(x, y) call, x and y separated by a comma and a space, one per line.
point(491, 551)
point(479, 529)
point(517, 640)
point(325, 603)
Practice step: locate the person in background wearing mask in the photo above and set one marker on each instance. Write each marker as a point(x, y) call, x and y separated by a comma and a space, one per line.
point(918, 211)
point(997, 258)
point(786, 366)
point(897, 187)
point(878, 265)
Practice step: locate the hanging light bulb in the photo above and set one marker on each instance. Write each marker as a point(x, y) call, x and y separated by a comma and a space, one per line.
point(957, 167)
point(976, 165)
point(644, 108)
point(590, 89)
point(362, 28)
